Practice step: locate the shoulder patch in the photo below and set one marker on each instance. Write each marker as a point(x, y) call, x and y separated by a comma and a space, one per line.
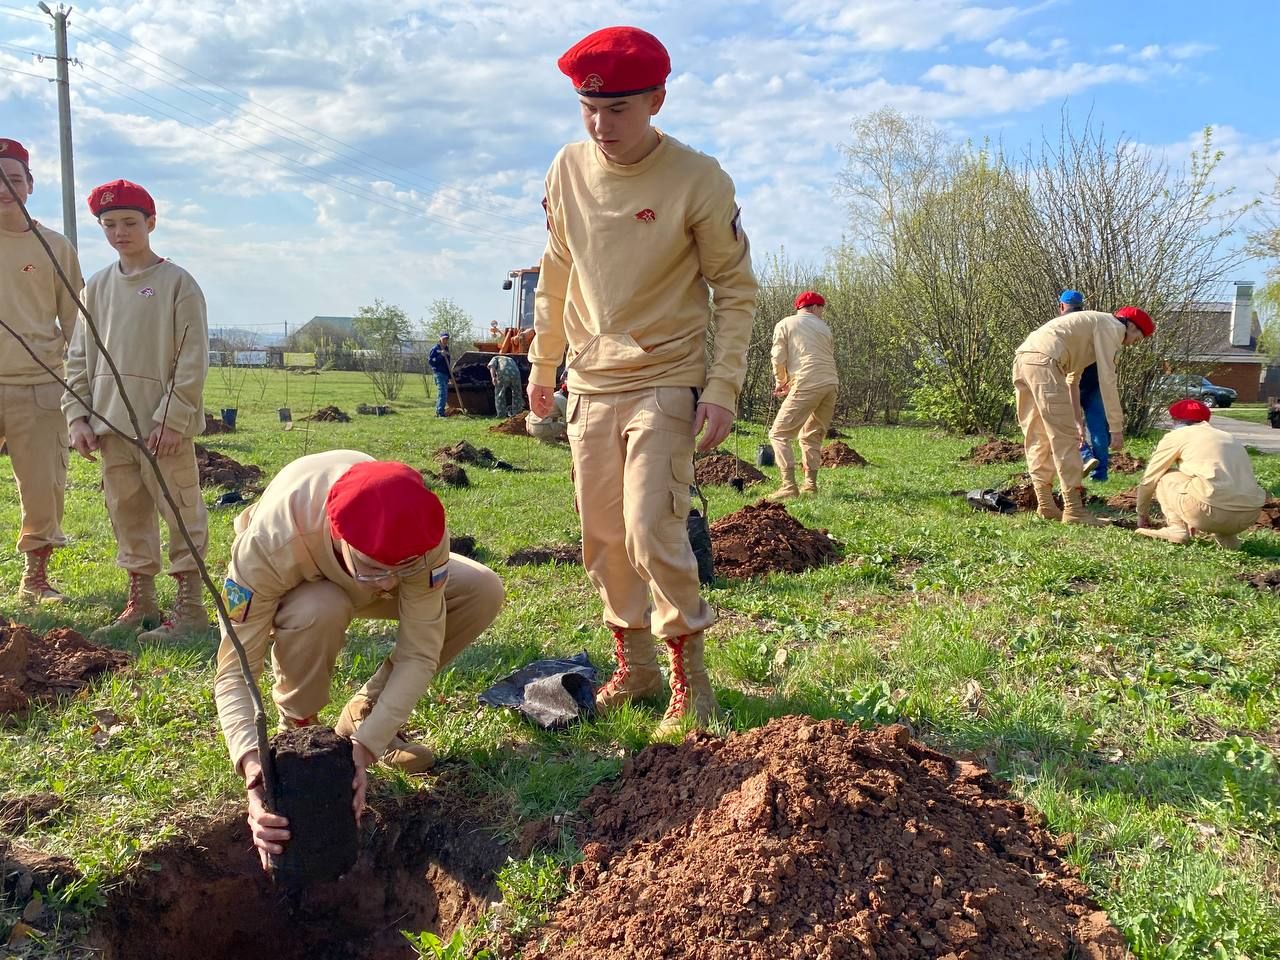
point(237, 599)
point(440, 575)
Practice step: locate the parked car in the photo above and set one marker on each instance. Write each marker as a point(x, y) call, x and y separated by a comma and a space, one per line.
point(1185, 385)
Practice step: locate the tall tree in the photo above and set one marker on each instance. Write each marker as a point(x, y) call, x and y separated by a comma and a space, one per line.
point(384, 331)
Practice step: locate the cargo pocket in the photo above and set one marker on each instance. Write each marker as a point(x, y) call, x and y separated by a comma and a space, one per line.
point(672, 410)
point(184, 479)
point(681, 481)
point(576, 416)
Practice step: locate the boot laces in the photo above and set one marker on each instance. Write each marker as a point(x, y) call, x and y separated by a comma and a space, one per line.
point(135, 596)
point(38, 570)
point(623, 670)
point(679, 683)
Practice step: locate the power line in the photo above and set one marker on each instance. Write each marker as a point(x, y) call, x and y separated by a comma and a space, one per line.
point(243, 104)
point(23, 73)
point(305, 171)
point(20, 14)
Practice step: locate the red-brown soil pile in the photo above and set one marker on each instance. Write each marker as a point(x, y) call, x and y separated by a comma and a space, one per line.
point(1261, 581)
point(996, 450)
point(1269, 519)
point(540, 556)
point(329, 415)
point(763, 538)
point(807, 839)
point(717, 469)
point(512, 426)
point(38, 669)
point(214, 425)
point(839, 454)
point(219, 470)
point(1126, 463)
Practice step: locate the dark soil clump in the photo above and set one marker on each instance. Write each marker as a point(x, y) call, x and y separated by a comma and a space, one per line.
point(816, 839)
point(423, 865)
point(314, 770)
point(834, 434)
point(463, 452)
point(1262, 581)
point(1023, 493)
point(463, 546)
point(213, 425)
point(763, 538)
point(20, 811)
point(512, 426)
point(1126, 463)
point(451, 475)
point(839, 454)
point(219, 470)
point(329, 415)
point(996, 450)
point(720, 468)
point(540, 556)
point(1269, 519)
point(36, 669)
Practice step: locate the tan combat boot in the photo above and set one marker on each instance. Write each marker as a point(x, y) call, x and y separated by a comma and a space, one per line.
point(35, 578)
point(788, 488)
point(1073, 509)
point(139, 610)
point(691, 693)
point(188, 616)
point(1046, 506)
point(1227, 541)
point(636, 676)
point(810, 484)
point(1178, 535)
point(401, 753)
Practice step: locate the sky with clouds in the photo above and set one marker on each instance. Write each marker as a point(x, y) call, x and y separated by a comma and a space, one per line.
point(308, 157)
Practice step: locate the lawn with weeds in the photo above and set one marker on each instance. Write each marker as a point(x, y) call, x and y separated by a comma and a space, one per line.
point(1127, 688)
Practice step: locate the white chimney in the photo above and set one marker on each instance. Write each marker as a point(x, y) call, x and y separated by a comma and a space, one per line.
point(1242, 315)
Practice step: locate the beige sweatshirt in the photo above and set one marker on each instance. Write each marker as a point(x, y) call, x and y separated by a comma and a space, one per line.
point(1217, 463)
point(630, 255)
point(34, 301)
point(141, 319)
point(282, 541)
point(804, 352)
point(1077, 339)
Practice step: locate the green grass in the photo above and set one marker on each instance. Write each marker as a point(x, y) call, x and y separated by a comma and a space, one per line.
point(1253, 412)
point(1127, 688)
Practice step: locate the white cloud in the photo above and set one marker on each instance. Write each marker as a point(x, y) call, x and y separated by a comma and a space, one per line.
point(892, 25)
point(1021, 50)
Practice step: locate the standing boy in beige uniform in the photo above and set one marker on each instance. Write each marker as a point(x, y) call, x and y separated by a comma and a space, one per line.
point(150, 315)
point(804, 371)
point(1203, 479)
point(42, 311)
point(639, 227)
point(1049, 361)
point(337, 536)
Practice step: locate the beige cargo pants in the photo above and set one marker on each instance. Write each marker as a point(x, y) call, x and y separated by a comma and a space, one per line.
point(310, 630)
point(1181, 509)
point(1048, 421)
point(33, 425)
point(806, 413)
point(633, 464)
point(134, 500)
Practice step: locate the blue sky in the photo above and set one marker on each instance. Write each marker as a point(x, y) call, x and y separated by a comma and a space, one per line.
point(309, 157)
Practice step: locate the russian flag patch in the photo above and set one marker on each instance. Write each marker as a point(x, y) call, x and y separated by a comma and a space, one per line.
point(439, 575)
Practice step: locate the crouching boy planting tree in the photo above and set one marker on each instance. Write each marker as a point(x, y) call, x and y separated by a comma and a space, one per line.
point(151, 317)
point(640, 226)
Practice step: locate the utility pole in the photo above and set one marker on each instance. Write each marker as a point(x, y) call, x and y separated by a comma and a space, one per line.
point(64, 122)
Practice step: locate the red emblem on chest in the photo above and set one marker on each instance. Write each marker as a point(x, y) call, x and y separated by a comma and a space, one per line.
point(146, 292)
point(29, 268)
point(647, 215)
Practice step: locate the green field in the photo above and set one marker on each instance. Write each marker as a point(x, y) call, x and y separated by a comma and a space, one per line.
point(1127, 688)
point(1253, 412)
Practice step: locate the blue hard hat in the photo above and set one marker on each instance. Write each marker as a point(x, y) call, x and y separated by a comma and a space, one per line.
point(1072, 298)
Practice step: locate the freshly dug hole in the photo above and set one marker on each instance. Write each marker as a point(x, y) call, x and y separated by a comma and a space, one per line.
point(423, 866)
point(808, 839)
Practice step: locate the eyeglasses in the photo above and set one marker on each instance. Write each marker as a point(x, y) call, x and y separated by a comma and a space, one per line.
point(363, 570)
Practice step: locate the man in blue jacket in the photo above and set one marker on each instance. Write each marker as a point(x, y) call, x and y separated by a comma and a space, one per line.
point(441, 363)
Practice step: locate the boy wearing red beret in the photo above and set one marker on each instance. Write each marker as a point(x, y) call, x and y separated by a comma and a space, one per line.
point(1203, 479)
point(42, 311)
point(1045, 369)
point(642, 230)
point(804, 371)
point(150, 314)
point(337, 536)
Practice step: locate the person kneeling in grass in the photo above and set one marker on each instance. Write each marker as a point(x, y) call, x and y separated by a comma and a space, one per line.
point(336, 536)
point(1203, 479)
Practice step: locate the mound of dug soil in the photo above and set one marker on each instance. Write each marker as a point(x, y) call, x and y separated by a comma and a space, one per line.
point(219, 470)
point(329, 415)
point(450, 474)
point(463, 546)
point(763, 538)
point(1126, 463)
point(996, 450)
point(512, 426)
point(717, 469)
point(421, 867)
point(834, 434)
point(839, 454)
point(815, 839)
point(38, 669)
point(1269, 519)
point(1023, 492)
point(1261, 581)
point(463, 452)
point(213, 425)
point(540, 556)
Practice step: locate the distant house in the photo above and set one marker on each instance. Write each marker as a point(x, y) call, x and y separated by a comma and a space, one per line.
point(334, 330)
point(1231, 358)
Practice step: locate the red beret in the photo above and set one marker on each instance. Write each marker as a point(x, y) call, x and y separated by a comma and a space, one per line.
point(120, 195)
point(384, 510)
point(616, 62)
point(13, 150)
point(1189, 410)
point(810, 299)
point(1138, 318)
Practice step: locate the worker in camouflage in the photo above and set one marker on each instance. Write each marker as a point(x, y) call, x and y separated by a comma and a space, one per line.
point(508, 393)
